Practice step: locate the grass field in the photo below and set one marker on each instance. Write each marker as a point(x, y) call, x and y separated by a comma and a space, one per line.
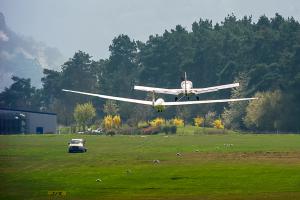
point(232, 166)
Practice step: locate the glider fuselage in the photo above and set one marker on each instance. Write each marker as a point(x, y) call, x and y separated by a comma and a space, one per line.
point(186, 86)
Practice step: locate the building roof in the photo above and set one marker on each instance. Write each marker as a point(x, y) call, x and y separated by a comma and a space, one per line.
point(27, 111)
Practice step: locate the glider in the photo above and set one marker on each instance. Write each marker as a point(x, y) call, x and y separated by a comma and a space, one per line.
point(158, 104)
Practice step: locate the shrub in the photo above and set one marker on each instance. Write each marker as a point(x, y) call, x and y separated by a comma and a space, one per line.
point(157, 122)
point(209, 119)
point(173, 129)
point(177, 122)
point(143, 124)
point(198, 121)
point(111, 132)
point(65, 130)
point(218, 124)
point(169, 129)
point(151, 130)
point(129, 131)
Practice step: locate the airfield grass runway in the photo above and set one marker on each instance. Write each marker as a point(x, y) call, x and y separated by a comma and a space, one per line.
point(232, 166)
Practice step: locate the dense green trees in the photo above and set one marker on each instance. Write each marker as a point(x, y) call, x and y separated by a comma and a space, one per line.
point(235, 112)
point(110, 108)
point(264, 55)
point(264, 113)
point(21, 95)
point(78, 73)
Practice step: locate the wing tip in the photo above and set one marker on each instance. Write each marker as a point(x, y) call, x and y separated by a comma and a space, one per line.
point(137, 87)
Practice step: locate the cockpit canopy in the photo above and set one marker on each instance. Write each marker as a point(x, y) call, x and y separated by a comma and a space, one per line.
point(186, 85)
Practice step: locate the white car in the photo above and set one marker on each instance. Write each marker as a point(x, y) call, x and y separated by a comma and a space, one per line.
point(97, 131)
point(77, 145)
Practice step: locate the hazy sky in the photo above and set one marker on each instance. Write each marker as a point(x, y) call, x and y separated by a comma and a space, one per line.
point(90, 25)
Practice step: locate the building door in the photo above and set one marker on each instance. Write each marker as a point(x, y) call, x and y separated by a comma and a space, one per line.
point(39, 130)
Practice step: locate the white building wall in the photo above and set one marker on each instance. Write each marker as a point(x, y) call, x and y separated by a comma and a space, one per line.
point(47, 121)
point(36, 119)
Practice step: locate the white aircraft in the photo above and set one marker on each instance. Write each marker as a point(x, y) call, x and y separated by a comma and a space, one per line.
point(159, 104)
point(186, 89)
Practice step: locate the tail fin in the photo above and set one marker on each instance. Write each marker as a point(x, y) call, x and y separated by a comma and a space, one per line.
point(185, 79)
point(153, 98)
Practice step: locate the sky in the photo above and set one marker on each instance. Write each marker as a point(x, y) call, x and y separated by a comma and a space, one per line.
point(91, 25)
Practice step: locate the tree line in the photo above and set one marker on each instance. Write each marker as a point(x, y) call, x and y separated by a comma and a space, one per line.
point(264, 56)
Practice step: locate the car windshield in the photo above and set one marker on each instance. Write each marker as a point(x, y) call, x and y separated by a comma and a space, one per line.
point(76, 141)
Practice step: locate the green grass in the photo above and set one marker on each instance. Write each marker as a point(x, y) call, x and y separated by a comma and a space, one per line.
point(253, 167)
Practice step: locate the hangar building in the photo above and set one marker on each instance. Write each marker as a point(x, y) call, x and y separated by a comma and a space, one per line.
point(13, 121)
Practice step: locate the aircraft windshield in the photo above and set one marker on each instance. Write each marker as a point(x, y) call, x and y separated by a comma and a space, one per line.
point(75, 141)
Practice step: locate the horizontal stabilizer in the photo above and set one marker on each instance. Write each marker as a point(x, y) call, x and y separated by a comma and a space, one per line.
point(177, 103)
point(214, 88)
point(159, 90)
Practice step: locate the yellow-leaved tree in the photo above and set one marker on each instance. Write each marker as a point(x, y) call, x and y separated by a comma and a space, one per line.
point(177, 121)
point(157, 122)
point(218, 124)
point(198, 121)
point(108, 122)
point(117, 121)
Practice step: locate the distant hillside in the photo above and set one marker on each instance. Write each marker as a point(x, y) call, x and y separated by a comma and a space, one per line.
point(24, 57)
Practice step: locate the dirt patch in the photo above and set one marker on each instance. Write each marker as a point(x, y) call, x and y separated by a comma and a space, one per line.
point(179, 177)
point(281, 157)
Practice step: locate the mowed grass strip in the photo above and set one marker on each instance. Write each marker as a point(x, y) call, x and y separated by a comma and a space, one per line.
point(232, 166)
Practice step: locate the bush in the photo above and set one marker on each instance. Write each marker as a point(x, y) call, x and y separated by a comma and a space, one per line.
point(151, 130)
point(209, 119)
point(173, 129)
point(111, 132)
point(177, 122)
point(198, 121)
point(157, 122)
point(65, 130)
point(129, 131)
point(218, 124)
point(143, 124)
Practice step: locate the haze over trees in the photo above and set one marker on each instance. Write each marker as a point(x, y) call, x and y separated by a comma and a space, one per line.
point(24, 57)
point(264, 56)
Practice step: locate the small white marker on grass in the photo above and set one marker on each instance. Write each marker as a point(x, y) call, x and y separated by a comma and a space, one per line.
point(156, 161)
point(228, 145)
